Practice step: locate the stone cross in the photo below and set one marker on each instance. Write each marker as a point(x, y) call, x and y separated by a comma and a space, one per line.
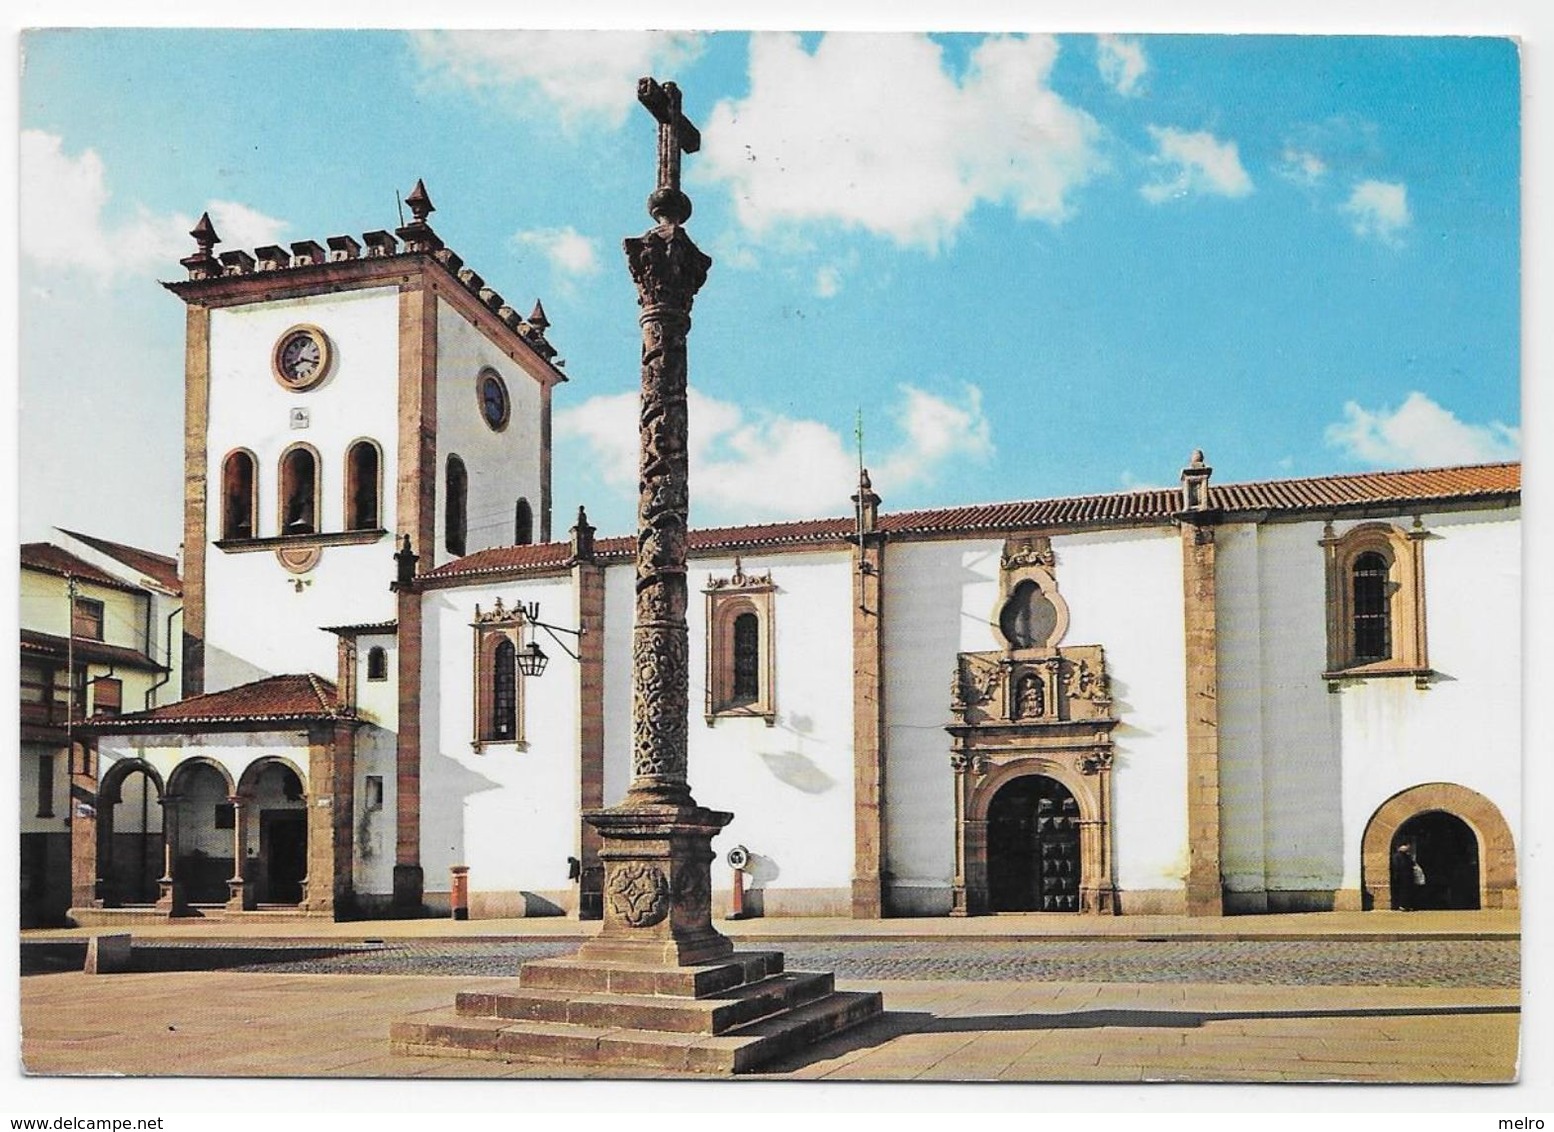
point(676, 134)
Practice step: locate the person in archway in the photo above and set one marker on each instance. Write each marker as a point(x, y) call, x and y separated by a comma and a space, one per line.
point(1407, 878)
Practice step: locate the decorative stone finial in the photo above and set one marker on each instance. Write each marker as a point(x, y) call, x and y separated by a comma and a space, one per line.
point(582, 538)
point(538, 319)
point(867, 503)
point(676, 134)
point(420, 203)
point(1195, 483)
point(204, 233)
point(418, 234)
point(203, 265)
point(405, 562)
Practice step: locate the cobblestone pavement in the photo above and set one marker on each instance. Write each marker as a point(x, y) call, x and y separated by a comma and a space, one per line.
point(1421, 963)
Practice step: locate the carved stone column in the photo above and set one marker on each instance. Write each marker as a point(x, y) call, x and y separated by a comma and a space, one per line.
point(656, 845)
point(239, 895)
point(169, 885)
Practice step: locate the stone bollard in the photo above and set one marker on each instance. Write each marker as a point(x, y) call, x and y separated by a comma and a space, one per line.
point(108, 954)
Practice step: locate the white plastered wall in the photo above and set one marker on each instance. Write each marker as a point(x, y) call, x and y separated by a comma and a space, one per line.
point(377, 703)
point(257, 622)
point(509, 811)
point(1466, 728)
point(790, 786)
point(503, 466)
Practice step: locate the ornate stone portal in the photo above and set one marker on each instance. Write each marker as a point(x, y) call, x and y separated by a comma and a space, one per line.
point(659, 986)
point(1038, 708)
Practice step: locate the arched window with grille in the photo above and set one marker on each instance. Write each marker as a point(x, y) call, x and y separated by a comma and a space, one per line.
point(741, 660)
point(523, 523)
point(1375, 603)
point(299, 501)
point(363, 487)
point(747, 659)
point(504, 691)
point(498, 683)
point(456, 507)
point(1371, 610)
point(377, 663)
point(239, 495)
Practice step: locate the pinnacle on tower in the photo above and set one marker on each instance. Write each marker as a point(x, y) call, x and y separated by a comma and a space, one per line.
point(538, 319)
point(204, 233)
point(420, 203)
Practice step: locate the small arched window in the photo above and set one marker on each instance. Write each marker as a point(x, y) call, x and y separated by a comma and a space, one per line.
point(504, 691)
point(523, 524)
point(299, 491)
point(363, 480)
point(377, 663)
point(239, 495)
point(747, 659)
point(1372, 612)
point(456, 507)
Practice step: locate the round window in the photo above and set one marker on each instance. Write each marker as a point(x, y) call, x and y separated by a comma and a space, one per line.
point(494, 406)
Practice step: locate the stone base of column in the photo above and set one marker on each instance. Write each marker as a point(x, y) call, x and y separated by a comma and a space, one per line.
point(239, 896)
point(657, 861)
point(659, 987)
point(169, 897)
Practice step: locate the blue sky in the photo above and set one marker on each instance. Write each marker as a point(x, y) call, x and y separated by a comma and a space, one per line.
point(1039, 265)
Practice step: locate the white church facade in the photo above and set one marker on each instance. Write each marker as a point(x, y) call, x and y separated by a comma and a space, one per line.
point(1215, 699)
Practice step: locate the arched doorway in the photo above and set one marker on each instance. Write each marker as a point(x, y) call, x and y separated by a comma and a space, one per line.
point(130, 850)
point(1447, 850)
point(1033, 847)
point(201, 832)
point(280, 831)
point(1443, 811)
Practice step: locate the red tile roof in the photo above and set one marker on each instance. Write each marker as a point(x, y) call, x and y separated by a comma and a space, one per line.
point(275, 699)
point(88, 651)
point(158, 567)
point(50, 559)
point(1127, 508)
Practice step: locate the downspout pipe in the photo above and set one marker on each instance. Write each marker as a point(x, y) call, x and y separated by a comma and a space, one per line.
point(151, 691)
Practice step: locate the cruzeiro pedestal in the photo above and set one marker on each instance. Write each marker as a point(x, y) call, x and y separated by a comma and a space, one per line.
point(659, 987)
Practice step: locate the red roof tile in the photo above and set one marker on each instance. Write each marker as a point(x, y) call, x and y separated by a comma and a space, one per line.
point(1156, 505)
point(275, 699)
point(158, 567)
point(50, 559)
point(88, 651)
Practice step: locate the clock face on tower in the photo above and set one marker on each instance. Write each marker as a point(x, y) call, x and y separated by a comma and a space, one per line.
point(494, 405)
point(301, 357)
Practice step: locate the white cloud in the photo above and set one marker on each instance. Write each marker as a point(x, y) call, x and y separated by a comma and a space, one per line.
point(828, 281)
point(1420, 433)
point(1301, 166)
point(768, 466)
point(568, 251)
point(1121, 62)
point(62, 226)
point(871, 131)
point(583, 74)
point(1195, 163)
point(1379, 209)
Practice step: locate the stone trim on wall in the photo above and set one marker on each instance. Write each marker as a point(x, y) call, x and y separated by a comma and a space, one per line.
point(1205, 889)
point(727, 600)
point(868, 584)
point(196, 426)
point(1497, 849)
point(1404, 554)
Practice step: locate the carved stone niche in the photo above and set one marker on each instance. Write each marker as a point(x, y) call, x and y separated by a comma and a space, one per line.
point(1017, 713)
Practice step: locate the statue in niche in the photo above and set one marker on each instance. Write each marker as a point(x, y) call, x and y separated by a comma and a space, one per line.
point(1029, 697)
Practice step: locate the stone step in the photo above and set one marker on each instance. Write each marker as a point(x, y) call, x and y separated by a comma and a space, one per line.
point(444, 1033)
point(714, 1014)
point(569, 973)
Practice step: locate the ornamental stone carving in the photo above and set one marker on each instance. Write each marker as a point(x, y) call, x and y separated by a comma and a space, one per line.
point(639, 893)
